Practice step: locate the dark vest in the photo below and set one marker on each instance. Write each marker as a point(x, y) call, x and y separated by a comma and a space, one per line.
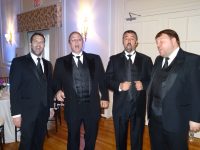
point(82, 81)
point(156, 93)
point(131, 75)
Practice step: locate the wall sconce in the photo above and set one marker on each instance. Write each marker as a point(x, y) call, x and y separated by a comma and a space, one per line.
point(85, 28)
point(8, 37)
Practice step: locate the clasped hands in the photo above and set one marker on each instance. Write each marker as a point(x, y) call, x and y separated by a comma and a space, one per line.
point(60, 96)
point(194, 126)
point(125, 86)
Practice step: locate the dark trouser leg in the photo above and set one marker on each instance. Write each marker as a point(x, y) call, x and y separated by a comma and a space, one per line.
point(162, 139)
point(121, 129)
point(136, 132)
point(40, 130)
point(156, 137)
point(91, 129)
point(73, 134)
point(177, 140)
point(27, 130)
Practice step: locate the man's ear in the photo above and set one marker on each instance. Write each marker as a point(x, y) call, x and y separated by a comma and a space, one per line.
point(136, 43)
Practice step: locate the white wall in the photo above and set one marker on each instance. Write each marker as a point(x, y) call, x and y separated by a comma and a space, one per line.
point(181, 15)
point(8, 11)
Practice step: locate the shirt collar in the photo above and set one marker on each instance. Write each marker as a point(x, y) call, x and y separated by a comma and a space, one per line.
point(173, 55)
point(34, 57)
point(131, 53)
point(80, 54)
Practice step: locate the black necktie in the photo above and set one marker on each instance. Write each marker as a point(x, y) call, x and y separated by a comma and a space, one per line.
point(166, 63)
point(79, 61)
point(129, 78)
point(39, 67)
point(129, 68)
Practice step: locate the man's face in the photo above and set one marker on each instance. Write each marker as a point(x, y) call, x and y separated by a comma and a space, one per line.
point(130, 42)
point(37, 45)
point(165, 45)
point(76, 43)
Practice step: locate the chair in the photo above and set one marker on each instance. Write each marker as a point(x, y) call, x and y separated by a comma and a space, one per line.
point(2, 136)
point(57, 109)
point(57, 114)
point(16, 130)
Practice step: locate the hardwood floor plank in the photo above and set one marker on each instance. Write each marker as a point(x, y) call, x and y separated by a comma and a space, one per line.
point(105, 139)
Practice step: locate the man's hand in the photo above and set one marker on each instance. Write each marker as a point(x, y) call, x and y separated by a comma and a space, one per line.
point(17, 121)
point(51, 114)
point(194, 126)
point(125, 86)
point(60, 96)
point(138, 85)
point(104, 104)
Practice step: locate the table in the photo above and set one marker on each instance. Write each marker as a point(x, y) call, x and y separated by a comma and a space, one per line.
point(9, 128)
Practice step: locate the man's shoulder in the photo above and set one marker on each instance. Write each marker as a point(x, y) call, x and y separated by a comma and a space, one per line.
point(47, 61)
point(118, 55)
point(63, 57)
point(143, 55)
point(91, 56)
point(20, 58)
point(191, 55)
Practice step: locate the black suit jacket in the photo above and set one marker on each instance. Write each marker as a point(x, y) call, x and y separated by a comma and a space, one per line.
point(115, 75)
point(180, 92)
point(63, 80)
point(26, 90)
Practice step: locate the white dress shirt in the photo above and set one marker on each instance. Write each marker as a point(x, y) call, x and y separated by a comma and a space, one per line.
point(76, 59)
point(171, 56)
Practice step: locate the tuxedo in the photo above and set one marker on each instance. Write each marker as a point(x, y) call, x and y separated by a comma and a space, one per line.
point(124, 108)
point(82, 105)
point(179, 101)
point(31, 96)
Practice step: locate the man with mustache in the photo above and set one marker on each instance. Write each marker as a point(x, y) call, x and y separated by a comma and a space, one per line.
point(128, 75)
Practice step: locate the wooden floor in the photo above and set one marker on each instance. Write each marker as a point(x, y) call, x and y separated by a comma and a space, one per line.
point(105, 139)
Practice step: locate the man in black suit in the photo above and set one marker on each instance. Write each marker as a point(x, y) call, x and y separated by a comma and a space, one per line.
point(173, 94)
point(31, 94)
point(128, 75)
point(78, 79)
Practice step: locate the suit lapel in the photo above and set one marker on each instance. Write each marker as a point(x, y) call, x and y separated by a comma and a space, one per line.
point(176, 66)
point(122, 65)
point(156, 68)
point(46, 69)
point(68, 66)
point(137, 66)
point(91, 64)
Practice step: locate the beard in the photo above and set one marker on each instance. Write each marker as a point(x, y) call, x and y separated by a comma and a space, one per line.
point(129, 48)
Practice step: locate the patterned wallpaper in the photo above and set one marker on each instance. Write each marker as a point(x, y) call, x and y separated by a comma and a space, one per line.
point(41, 18)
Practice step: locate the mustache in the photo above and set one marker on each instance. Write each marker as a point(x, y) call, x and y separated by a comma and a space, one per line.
point(128, 46)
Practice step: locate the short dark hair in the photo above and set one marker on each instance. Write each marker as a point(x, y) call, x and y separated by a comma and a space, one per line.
point(74, 33)
point(132, 32)
point(171, 33)
point(37, 33)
